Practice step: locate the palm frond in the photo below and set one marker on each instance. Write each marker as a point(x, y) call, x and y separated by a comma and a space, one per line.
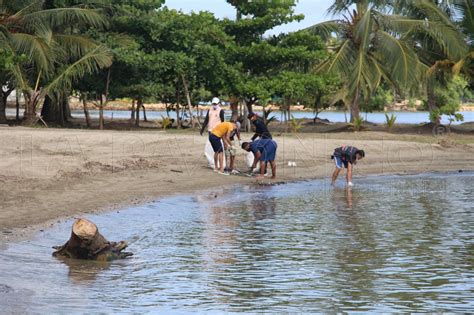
point(64, 16)
point(363, 29)
point(98, 58)
point(402, 59)
point(465, 9)
point(458, 66)
point(447, 37)
point(340, 6)
point(19, 77)
point(433, 25)
point(74, 45)
point(326, 29)
point(36, 48)
point(343, 57)
point(366, 74)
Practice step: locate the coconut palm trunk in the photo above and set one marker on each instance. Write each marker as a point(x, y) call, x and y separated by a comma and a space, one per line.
point(32, 99)
point(355, 106)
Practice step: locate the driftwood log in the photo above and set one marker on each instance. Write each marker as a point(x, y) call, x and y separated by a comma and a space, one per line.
point(87, 243)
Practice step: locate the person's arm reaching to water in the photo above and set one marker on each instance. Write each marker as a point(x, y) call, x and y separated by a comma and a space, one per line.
point(349, 174)
point(257, 155)
point(351, 158)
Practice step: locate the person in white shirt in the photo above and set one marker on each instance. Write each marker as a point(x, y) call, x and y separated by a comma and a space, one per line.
point(214, 116)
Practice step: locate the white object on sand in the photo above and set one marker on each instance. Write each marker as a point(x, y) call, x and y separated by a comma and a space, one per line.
point(249, 159)
point(209, 154)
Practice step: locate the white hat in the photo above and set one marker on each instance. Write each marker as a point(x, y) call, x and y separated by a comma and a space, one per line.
point(215, 100)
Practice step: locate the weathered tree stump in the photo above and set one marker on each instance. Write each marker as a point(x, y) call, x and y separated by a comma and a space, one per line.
point(87, 243)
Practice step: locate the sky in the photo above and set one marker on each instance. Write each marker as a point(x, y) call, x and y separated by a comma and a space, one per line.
point(314, 11)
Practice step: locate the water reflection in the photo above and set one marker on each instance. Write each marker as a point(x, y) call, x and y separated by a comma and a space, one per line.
point(356, 254)
point(398, 244)
point(83, 272)
point(235, 241)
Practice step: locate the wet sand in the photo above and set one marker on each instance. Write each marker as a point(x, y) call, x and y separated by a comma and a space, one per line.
point(49, 174)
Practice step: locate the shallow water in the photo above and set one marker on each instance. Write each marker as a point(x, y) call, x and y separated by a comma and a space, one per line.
point(391, 244)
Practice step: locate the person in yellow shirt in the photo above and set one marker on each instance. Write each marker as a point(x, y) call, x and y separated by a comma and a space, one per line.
point(222, 131)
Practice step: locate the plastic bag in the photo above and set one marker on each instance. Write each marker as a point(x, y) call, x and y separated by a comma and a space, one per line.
point(249, 159)
point(209, 154)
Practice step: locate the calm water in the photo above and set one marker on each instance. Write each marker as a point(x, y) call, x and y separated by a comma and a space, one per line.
point(402, 117)
point(392, 244)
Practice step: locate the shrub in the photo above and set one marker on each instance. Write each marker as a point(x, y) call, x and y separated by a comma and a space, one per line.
point(266, 116)
point(295, 125)
point(390, 120)
point(358, 123)
point(165, 122)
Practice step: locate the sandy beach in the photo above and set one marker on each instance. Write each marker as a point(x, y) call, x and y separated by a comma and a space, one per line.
point(48, 174)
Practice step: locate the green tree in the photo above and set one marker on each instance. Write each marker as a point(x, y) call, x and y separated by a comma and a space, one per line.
point(319, 92)
point(254, 59)
point(432, 29)
point(255, 18)
point(54, 59)
point(135, 62)
point(449, 98)
point(197, 45)
point(377, 102)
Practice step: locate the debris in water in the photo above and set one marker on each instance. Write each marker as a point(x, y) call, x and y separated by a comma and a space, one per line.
point(87, 243)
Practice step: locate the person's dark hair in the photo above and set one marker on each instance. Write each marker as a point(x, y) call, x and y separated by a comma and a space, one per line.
point(244, 145)
point(361, 153)
point(250, 115)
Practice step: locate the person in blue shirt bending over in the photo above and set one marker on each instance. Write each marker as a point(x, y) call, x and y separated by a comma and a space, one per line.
point(264, 150)
point(347, 156)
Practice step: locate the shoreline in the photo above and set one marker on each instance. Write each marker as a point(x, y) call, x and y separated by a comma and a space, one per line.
point(68, 173)
point(18, 234)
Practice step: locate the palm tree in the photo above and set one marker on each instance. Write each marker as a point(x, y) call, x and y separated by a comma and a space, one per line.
point(465, 10)
point(375, 44)
point(51, 60)
point(439, 43)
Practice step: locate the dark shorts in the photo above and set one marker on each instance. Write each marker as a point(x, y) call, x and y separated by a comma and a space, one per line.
point(339, 162)
point(216, 143)
point(269, 155)
point(269, 151)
